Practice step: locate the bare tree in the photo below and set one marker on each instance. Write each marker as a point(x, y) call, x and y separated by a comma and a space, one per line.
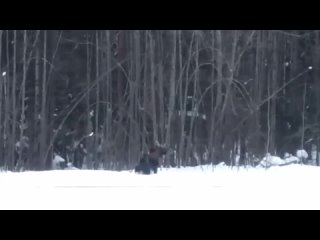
point(145, 130)
point(153, 89)
point(89, 111)
point(7, 102)
point(1, 103)
point(23, 122)
point(97, 145)
point(172, 88)
point(183, 105)
point(43, 115)
point(13, 99)
point(161, 81)
point(36, 108)
point(303, 114)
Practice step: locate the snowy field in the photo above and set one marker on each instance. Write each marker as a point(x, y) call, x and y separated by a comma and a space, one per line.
point(287, 187)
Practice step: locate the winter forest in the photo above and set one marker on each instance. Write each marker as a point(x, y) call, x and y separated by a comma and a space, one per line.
point(101, 98)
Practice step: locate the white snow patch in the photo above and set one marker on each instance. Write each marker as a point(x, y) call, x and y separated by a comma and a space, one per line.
point(292, 159)
point(206, 187)
point(302, 154)
point(286, 155)
point(269, 160)
point(56, 161)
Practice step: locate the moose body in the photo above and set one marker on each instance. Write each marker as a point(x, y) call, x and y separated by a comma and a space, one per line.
point(149, 163)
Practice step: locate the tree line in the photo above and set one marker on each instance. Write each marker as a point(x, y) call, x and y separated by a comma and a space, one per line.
point(100, 98)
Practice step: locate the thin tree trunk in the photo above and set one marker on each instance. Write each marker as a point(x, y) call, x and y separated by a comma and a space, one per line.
point(183, 108)
point(274, 88)
point(172, 89)
point(269, 106)
point(317, 85)
point(36, 109)
point(257, 93)
point(145, 97)
point(162, 123)
point(232, 64)
point(89, 149)
point(13, 97)
point(219, 57)
point(132, 104)
point(97, 143)
point(1, 103)
point(23, 117)
point(6, 127)
point(43, 115)
point(153, 91)
point(303, 114)
point(180, 98)
point(108, 97)
point(211, 127)
point(194, 110)
point(160, 71)
point(137, 60)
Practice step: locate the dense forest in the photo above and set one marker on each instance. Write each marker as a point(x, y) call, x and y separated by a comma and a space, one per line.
point(100, 98)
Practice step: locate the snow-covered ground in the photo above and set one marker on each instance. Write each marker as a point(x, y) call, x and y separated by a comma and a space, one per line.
point(287, 187)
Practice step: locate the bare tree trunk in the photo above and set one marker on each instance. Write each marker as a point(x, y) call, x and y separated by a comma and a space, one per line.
point(36, 110)
point(257, 94)
point(13, 97)
point(121, 135)
point(132, 104)
point(303, 114)
point(162, 122)
point(183, 108)
point(317, 85)
point(105, 65)
point(172, 89)
point(97, 136)
point(89, 149)
point(274, 88)
point(226, 102)
point(181, 105)
point(43, 115)
point(268, 121)
point(190, 149)
point(145, 97)
point(153, 91)
point(269, 108)
point(23, 107)
point(109, 98)
point(212, 116)
point(6, 127)
point(160, 71)
point(137, 60)
point(179, 135)
point(219, 57)
point(1, 103)
point(232, 72)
